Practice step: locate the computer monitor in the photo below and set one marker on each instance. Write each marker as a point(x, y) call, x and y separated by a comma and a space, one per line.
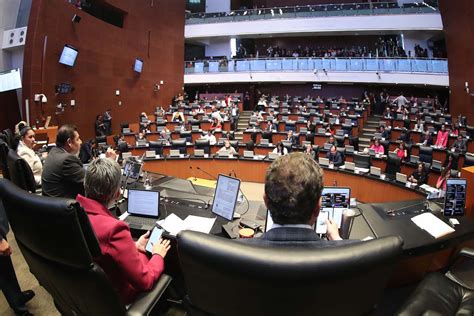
point(143, 203)
point(455, 197)
point(225, 196)
point(68, 56)
point(138, 66)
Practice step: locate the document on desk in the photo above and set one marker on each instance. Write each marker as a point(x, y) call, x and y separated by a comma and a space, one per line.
point(173, 224)
point(433, 225)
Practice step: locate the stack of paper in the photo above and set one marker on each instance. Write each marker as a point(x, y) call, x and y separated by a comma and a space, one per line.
point(173, 224)
point(433, 225)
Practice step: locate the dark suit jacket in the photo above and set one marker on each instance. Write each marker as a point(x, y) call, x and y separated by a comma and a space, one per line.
point(294, 236)
point(63, 174)
point(3, 222)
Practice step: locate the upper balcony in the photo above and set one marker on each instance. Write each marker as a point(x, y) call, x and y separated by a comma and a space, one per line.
point(418, 71)
point(354, 17)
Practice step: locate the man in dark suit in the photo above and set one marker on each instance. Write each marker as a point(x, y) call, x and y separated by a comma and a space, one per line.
point(8, 282)
point(63, 172)
point(293, 187)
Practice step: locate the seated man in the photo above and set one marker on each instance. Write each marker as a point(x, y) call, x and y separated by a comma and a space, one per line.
point(210, 137)
point(293, 187)
point(459, 145)
point(335, 156)
point(123, 260)
point(63, 173)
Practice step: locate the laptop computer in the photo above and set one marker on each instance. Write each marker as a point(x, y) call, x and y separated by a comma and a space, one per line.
point(174, 153)
point(126, 130)
point(198, 152)
point(349, 149)
point(223, 153)
point(177, 128)
point(321, 131)
point(400, 177)
point(303, 130)
point(349, 166)
point(340, 132)
point(141, 142)
point(372, 152)
point(160, 128)
point(143, 209)
point(436, 165)
point(126, 156)
point(150, 154)
point(195, 128)
point(264, 141)
point(324, 162)
point(414, 159)
point(248, 154)
point(375, 171)
point(327, 146)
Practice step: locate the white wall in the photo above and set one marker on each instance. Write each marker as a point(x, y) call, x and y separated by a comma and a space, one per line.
point(8, 15)
point(353, 77)
point(381, 23)
point(413, 39)
point(217, 6)
point(219, 47)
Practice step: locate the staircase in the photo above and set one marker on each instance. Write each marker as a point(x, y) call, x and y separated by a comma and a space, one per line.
point(367, 133)
point(242, 125)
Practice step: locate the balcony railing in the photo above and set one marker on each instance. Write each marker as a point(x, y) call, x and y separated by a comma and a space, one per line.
point(322, 65)
point(323, 10)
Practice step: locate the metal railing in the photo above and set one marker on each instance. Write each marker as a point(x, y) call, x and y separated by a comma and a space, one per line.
point(323, 10)
point(287, 64)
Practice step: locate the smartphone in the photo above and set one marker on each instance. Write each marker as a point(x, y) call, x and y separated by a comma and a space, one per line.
point(154, 238)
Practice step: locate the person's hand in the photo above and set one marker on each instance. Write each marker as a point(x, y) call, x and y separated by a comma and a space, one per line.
point(5, 249)
point(161, 248)
point(110, 153)
point(332, 230)
point(142, 241)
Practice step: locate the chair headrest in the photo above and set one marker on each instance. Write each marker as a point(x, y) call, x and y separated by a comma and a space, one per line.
point(56, 229)
point(178, 142)
point(202, 142)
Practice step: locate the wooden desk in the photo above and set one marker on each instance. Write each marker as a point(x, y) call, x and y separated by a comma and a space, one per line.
point(50, 132)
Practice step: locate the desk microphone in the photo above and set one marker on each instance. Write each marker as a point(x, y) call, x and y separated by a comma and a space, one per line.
point(207, 173)
point(192, 173)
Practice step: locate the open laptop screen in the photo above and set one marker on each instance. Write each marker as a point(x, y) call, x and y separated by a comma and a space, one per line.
point(143, 202)
point(132, 169)
point(225, 196)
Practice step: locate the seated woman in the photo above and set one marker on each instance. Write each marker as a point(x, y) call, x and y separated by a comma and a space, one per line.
point(330, 129)
point(442, 137)
point(280, 149)
point(419, 176)
point(123, 260)
point(227, 149)
point(379, 149)
point(441, 182)
point(308, 150)
point(25, 151)
point(401, 151)
point(215, 125)
point(335, 157)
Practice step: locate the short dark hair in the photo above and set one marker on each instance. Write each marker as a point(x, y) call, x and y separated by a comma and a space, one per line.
point(65, 132)
point(293, 186)
point(24, 130)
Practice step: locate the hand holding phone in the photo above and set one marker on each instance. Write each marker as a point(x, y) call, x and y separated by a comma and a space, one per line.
point(154, 238)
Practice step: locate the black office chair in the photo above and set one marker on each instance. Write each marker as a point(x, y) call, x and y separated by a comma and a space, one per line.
point(123, 125)
point(339, 141)
point(288, 145)
point(393, 166)
point(58, 243)
point(157, 146)
point(269, 136)
point(354, 141)
point(20, 172)
point(361, 161)
point(284, 280)
point(426, 154)
point(186, 135)
point(179, 144)
point(9, 137)
point(386, 145)
point(454, 162)
point(347, 129)
point(101, 139)
point(290, 126)
point(437, 126)
point(468, 161)
point(470, 131)
point(451, 293)
point(203, 144)
point(3, 159)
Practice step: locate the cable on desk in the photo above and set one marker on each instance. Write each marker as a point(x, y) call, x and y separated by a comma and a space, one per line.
point(368, 223)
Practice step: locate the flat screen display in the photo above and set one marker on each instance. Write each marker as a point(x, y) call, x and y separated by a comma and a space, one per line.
point(143, 202)
point(68, 56)
point(455, 198)
point(132, 169)
point(225, 196)
point(138, 66)
point(10, 80)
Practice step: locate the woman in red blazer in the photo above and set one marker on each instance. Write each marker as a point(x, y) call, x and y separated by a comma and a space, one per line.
point(123, 260)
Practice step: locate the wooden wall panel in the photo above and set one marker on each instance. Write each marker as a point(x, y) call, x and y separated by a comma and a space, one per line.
point(459, 33)
point(153, 31)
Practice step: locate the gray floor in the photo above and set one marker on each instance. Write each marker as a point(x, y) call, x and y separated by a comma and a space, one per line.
point(42, 303)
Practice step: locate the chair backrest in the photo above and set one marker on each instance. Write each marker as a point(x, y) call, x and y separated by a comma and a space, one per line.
point(468, 161)
point(3, 159)
point(339, 140)
point(157, 146)
point(179, 144)
point(354, 141)
point(394, 164)
point(101, 139)
point(284, 281)
point(361, 161)
point(10, 137)
point(20, 172)
point(203, 144)
point(58, 243)
point(426, 154)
